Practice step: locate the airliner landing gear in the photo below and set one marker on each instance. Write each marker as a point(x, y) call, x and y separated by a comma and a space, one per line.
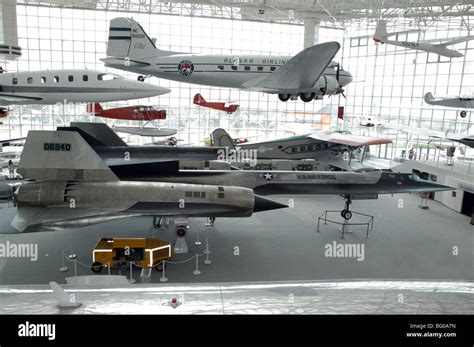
point(307, 97)
point(284, 97)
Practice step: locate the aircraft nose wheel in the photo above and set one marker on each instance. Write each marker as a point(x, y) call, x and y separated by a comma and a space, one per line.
point(181, 231)
point(346, 214)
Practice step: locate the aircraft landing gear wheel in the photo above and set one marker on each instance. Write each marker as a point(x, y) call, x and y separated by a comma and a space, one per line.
point(346, 214)
point(307, 97)
point(96, 267)
point(284, 97)
point(141, 78)
point(463, 114)
point(181, 231)
point(159, 267)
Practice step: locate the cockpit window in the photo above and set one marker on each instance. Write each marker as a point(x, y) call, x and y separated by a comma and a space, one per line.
point(333, 65)
point(107, 77)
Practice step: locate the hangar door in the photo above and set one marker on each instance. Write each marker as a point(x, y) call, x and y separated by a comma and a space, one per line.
point(467, 207)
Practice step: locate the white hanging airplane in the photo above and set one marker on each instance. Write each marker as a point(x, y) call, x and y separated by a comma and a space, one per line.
point(49, 87)
point(440, 48)
point(373, 122)
point(451, 101)
point(310, 74)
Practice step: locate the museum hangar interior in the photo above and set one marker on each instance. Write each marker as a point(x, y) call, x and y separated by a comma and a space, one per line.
point(254, 148)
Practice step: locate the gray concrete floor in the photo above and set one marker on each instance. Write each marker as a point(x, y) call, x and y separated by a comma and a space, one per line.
point(296, 297)
point(281, 245)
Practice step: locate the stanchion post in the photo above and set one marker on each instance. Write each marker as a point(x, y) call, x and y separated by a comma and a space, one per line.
point(196, 271)
point(163, 277)
point(131, 273)
point(207, 252)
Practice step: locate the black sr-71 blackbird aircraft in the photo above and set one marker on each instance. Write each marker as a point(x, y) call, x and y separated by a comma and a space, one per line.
point(77, 178)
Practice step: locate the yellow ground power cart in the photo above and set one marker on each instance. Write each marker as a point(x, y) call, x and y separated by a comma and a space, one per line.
point(119, 252)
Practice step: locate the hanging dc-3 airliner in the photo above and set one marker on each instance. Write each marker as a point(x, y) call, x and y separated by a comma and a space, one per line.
point(310, 74)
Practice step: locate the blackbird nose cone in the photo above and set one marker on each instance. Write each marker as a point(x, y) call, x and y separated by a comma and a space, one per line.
point(434, 187)
point(262, 204)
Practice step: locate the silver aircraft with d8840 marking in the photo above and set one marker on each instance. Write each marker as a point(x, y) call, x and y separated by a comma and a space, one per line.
point(310, 74)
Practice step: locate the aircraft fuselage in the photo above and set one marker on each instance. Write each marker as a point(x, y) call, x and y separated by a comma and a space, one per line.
point(426, 47)
point(68, 86)
point(300, 182)
point(226, 71)
point(295, 147)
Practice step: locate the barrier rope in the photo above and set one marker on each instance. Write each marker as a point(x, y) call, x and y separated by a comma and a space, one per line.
point(137, 265)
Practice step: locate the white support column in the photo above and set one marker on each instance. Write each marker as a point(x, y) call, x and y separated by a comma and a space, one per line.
point(311, 32)
point(8, 31)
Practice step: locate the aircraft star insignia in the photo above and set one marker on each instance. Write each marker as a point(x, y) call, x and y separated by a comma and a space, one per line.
point(268, 176)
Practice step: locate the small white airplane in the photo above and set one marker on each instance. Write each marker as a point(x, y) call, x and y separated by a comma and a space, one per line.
point(467, 140)
point(451, 101)
point(146, 131)
point(310, 74)
point(381, 35)
point(56, 86)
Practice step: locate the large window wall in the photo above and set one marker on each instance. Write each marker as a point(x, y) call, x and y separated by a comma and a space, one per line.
point(389, 81)
point(62, 38)
point(394, 80)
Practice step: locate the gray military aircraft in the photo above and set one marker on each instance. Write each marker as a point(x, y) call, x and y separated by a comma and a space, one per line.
point(74, 187)
point(352, 185)
point(114, 151)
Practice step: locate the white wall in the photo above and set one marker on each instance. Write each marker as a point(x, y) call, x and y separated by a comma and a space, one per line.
point(446, 177)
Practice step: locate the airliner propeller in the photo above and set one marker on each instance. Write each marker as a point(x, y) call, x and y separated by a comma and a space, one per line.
point(339, 86)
